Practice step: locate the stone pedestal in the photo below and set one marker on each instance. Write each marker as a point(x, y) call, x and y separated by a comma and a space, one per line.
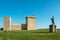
point(52, 28)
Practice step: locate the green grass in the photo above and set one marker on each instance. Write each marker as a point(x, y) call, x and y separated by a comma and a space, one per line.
point(30, 35)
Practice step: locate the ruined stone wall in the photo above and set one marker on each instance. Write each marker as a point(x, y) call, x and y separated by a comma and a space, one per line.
point(23, 27)
point(16, 27)
point(30, 24)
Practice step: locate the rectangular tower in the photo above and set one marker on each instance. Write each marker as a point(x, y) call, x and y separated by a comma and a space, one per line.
point(31, 23)
point(7, 23)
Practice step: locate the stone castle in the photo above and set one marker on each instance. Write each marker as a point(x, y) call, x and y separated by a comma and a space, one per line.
point(30, 24)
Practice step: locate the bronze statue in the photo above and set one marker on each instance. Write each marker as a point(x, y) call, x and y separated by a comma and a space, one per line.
point(52, 19)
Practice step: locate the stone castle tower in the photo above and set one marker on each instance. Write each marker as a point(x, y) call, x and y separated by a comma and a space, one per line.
point(7, 23)
point(30, 24)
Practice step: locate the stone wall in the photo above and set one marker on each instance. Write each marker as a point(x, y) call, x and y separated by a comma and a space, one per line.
point(16, 27)
point(30, 24)
point(23, 27)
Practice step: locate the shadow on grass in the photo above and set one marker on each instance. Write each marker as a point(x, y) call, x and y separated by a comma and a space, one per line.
point(41, 32)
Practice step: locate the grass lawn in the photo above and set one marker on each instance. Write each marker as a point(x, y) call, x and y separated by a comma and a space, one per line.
point(30, 35)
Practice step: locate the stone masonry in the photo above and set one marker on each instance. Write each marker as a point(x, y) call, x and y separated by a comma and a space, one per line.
point(52, 27)
point(30, 24)
point(7, 23)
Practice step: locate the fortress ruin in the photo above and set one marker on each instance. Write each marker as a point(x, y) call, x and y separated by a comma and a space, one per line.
point(30, 24)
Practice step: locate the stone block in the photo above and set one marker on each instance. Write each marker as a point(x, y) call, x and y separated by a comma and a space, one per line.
point(52, 28)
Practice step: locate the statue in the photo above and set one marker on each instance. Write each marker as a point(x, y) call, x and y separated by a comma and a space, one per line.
point(52, 19)
point(52, 27)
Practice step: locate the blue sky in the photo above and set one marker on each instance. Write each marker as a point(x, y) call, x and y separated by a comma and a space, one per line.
point(42, 9)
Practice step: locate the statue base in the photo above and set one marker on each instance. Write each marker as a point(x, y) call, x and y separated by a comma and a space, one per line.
point(52, 28)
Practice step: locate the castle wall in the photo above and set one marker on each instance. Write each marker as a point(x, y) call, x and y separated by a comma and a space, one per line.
point(18, 27)
point(23, 27)
point(30, 24)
